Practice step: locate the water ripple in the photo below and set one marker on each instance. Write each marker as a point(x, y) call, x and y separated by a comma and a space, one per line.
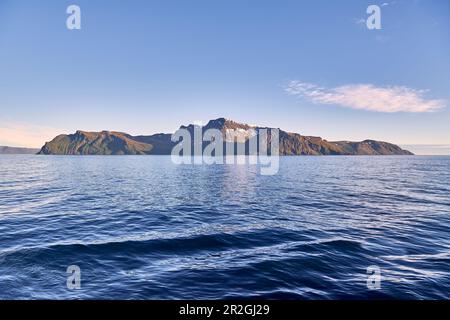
point(143, 228)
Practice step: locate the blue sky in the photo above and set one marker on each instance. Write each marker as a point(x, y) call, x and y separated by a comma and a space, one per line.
point(149, 66)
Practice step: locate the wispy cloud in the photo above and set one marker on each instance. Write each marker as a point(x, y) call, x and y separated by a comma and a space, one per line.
point(390, 3)
point(367, 97)
point(360, 21)
point(26, 135)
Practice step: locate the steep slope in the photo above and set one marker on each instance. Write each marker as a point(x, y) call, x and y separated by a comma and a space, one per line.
point(296, 144)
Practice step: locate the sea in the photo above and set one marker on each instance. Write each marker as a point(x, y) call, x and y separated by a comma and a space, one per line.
point(142, 227)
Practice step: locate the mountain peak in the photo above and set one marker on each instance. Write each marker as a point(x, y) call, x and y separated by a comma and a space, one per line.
point(220, 124)
point(224, 124)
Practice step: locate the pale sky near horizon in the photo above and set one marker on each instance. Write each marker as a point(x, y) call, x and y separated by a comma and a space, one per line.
point(144, 67)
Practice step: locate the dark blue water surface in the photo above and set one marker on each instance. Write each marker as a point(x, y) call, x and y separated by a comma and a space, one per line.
point(144, 228)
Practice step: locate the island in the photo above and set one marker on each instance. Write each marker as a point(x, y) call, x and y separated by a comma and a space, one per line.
point(291, 144)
